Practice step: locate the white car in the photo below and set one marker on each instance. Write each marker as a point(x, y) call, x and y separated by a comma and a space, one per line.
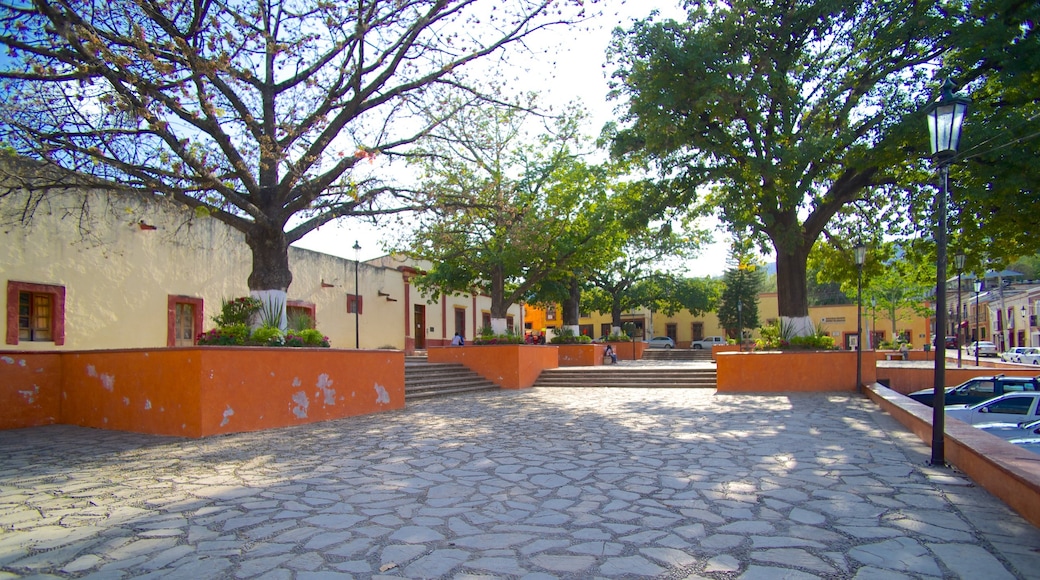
point(1032, 358)
point(1028, 443)
point(1012, 430)
point(661, 342)
point(1007, 408)
point(984, 348)
point(1012, 354)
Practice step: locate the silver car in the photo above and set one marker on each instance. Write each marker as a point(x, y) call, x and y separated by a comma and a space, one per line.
point(1006, 408)
point(984, 348)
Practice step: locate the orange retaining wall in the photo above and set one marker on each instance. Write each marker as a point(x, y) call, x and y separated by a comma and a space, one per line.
point(717, 348)
point(30, 389)
point(629, 350)
point(510, 366)
point(791, 371)
point(1008, 472)
point(906, 379)
point(581, 355)
point(201, 391)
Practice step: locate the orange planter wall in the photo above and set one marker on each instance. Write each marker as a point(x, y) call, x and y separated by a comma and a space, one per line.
point(629, 350)
point(196, 392)
point(30, 389)
point(717, 348)
point(508, 366)
point(1008, 472)
point(789, 371)
point(581, 355)
point(906, 380)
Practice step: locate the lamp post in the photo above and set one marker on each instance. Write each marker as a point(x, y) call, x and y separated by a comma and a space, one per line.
point(1025, 326)
point(958, 260)
point(978, 290)
point(740, 324)
point(945, 118)
point(860, 254)
point(873, 321)
point(357, 297)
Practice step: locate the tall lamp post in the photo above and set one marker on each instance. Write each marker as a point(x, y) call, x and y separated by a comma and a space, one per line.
point(860, 256)
point(357, 297)
point(958, 260)
point(740, 323)
point(945, 118)
point(1025, 325)
point(978, 290)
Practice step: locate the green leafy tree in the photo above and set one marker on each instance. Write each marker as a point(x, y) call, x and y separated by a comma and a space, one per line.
point(742, 283)
point(785, 114)
point(508, 213)
point(258, 114)
point(640, 276)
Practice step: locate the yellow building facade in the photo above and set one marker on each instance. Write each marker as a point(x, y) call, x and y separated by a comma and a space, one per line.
point(838, 321)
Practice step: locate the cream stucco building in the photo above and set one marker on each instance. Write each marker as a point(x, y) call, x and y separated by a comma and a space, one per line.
point(132, 271)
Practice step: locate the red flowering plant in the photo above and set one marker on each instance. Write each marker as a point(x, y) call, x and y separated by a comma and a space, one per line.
point(233, 328)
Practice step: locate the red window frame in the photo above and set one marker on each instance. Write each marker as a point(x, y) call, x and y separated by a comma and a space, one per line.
point(171, 316)
point(311, 309)
point(352, 300)
point(57, 294)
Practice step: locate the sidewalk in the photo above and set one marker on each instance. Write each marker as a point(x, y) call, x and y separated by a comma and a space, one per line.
point(540, 483)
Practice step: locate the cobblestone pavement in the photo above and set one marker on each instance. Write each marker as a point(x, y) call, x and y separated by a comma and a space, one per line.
point(541, 483)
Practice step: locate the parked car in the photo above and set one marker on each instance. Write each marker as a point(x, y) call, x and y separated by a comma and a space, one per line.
point(1012, 354)
point(1028, 443)
point(978, 389)
point(708, 342)
point(1032, 358)
point(661, 342)
point(1006, 408)
point(951, 342)
point(984, 348)
point(1012, 430)
point(1026, 351)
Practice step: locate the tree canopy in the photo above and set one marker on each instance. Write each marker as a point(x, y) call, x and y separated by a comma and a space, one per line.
point(778, 117)
point(258, 114)
point(509, 211)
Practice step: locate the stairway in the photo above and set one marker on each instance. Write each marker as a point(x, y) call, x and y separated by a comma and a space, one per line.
point(677, 354)
point(425, 379)
point(628, 376)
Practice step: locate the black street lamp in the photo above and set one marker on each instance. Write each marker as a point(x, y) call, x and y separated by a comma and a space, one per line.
point(740, 324)
point(357, 297)
point(978, 290)
point(945, 118)
point(958, 260)
point(860, 254)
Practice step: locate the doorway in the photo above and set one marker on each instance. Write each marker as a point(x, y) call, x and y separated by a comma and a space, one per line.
point(419, 326)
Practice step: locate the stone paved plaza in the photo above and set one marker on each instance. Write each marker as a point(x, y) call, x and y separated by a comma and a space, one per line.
point(541, 483)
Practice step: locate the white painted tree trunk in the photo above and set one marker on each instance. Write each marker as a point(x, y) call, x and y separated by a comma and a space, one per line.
point(574, 328)
point(799, 326)
point(273, 309)
point(498, 325)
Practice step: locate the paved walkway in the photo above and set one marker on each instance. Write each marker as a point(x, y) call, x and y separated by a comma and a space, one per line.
point(542, 483)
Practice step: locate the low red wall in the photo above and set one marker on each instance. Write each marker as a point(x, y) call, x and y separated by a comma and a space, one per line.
point(581, 355)
point(717, 348)
point(629, 350)
point(1008, 472)
point(30, 389)
point(201, 391)
point(906, 379)
point(510, 366)
point(791, 371)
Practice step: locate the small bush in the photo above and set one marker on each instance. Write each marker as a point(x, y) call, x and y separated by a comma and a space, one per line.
point(267, 336)
point(230, 335)
point(237, 311)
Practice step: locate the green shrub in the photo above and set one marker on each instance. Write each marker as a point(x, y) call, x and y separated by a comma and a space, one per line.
point(230, 335)
point(267, 336)
point(567, 336)
point(308, 337)
point(237, 311)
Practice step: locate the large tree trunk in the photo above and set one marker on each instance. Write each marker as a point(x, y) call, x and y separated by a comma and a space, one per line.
point(792, 290)
point(499, 307)
point(572, 308)
point(270, 279)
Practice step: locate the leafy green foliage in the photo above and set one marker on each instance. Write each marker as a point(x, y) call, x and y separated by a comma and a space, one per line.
point(742, 282)
point(237, 311)
point(785, 114)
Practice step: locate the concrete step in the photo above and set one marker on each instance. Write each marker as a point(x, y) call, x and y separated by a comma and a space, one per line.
point(677, 354)
point(617, 376)
point(425, 379)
